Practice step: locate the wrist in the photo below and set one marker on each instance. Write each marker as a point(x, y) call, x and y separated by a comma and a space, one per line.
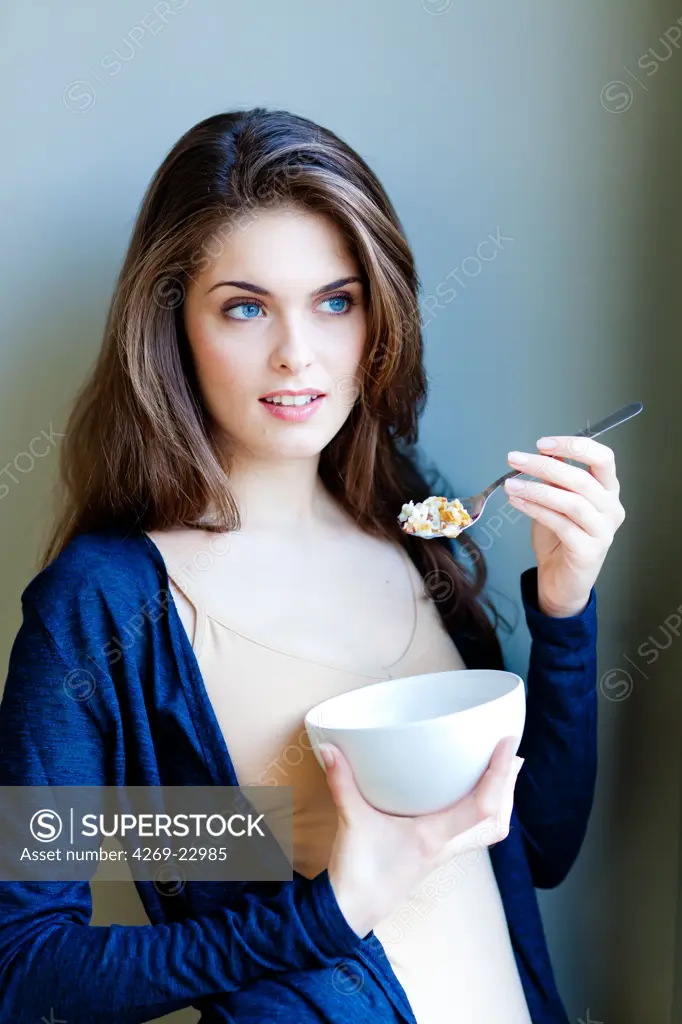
point(357, 915)
point(565, 611)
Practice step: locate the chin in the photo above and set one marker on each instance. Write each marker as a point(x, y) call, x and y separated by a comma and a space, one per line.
point(300, 450)
point(307, 445)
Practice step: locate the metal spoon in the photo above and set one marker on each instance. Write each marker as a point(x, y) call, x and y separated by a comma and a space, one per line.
point(475, 505)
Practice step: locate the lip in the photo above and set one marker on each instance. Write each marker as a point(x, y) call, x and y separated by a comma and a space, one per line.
point(288, 391)
point(293, 413)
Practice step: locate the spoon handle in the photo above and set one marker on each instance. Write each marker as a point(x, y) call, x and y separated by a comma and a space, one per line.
point(620, 416)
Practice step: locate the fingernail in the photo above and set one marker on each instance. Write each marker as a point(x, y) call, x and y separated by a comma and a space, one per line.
point(519, 761)
point(327, 755)
point(515, 485)
point(546, 442)
point(519, 457)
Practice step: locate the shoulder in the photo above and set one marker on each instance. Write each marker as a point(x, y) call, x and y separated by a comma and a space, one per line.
point(110, 557)
point(101, 575)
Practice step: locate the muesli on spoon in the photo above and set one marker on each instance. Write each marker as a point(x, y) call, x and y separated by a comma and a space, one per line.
point(434, 517)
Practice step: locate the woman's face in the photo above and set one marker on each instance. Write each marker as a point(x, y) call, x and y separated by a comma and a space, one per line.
point(280, 310)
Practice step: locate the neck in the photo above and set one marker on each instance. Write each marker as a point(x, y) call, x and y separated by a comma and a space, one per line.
point(283, 495)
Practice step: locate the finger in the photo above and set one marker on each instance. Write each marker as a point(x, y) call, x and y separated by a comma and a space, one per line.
point(472, 809)
point(504, 752)
point(569, 533)
point(599, 457)
point(494, 784)
point(495, 826)
point(574, 506)
point(342, 784)
point(571, 478)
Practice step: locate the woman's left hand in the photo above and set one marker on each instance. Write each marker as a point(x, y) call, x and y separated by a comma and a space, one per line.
point(575, 516)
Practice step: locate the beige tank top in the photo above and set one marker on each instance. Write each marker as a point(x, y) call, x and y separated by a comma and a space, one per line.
point(449, 945)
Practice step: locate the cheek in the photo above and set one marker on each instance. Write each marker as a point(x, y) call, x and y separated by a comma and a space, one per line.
point(225, 370)
point(220, 364)
point(344, 356)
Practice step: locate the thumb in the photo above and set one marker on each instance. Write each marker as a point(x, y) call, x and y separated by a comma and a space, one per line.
point(340, 778)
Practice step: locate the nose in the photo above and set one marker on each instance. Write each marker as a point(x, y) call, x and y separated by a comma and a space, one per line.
point(292, 348)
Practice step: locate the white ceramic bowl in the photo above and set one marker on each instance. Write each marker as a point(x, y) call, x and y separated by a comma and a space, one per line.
point(420, 743)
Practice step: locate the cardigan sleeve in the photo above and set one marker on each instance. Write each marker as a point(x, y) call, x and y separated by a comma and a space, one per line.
point(51, 959)
point(555, 788)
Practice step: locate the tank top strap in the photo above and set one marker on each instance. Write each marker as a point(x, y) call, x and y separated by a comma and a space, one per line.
point(183, 572)
point(182, 578)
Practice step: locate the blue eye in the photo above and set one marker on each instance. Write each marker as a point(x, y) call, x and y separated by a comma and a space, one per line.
point(251, 315)
point(341, 304)
point(340, 299)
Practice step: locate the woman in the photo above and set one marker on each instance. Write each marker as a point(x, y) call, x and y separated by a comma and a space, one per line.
point(267, 261)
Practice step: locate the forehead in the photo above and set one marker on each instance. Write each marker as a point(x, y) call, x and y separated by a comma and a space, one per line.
point(288, 249)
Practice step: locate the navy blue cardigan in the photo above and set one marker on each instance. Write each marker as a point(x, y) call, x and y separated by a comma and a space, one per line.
point(101, 616)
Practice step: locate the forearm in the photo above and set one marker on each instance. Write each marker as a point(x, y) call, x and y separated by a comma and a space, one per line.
point(555, 790)
point(136, 973)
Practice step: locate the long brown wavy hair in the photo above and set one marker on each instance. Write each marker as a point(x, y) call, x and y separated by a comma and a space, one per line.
point(141, 449)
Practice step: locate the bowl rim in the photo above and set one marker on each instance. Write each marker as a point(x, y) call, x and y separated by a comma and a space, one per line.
point(418, 721)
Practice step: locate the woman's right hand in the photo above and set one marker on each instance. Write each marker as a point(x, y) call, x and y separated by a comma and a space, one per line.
point(379, 860)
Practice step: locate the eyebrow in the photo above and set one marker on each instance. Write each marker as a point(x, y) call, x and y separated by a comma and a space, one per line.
point(248, 286)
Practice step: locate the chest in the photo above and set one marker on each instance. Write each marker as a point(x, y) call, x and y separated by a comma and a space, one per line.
point(351, 604)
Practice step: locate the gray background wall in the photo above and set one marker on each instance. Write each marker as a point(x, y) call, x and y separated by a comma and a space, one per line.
point(479, 118)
